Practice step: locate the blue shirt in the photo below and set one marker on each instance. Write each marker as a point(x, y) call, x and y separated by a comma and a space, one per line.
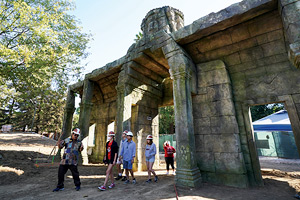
point(128, 150)
point(150, 151)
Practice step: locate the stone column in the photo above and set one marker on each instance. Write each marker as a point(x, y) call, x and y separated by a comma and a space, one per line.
point(85, 112)
point(290, 14)
point(68, 118)
point(68, 115)
point(123, 106)
point(187, 172)
point(181, 69)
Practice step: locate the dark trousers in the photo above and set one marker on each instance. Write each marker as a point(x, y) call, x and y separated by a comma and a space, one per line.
point(62, 170)
point(169, 161)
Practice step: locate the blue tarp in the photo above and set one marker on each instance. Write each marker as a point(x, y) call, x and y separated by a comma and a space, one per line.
point(278, 121)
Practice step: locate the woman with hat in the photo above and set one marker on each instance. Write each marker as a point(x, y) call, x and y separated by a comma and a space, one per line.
point(110, 158)
point(150, 158)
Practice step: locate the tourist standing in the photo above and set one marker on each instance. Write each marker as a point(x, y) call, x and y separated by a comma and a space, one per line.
point(128, 155)
point(70, 159)
point(120, 161)
point(110, 157)
point(169, 156)
point(150, 158)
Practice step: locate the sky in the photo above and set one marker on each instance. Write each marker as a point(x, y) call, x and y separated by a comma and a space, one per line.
point(114, 23)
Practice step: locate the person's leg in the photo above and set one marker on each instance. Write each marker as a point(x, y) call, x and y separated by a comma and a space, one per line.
point(62, 170)
point(151, 168)
point(129, 166)
point(75, 174)
point(167, 163)
point(148, 169)
point(125, 166)
point(112, 174)
point(172, 164)
point(131, 172)
point(109, 168)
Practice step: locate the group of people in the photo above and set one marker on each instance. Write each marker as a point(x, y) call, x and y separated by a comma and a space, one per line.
point(126, 151)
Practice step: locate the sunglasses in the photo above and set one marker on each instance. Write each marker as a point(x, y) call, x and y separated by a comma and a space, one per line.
point(75, 135)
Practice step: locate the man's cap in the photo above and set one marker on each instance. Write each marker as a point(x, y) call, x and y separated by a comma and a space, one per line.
point(76, 131)
point(129, 134)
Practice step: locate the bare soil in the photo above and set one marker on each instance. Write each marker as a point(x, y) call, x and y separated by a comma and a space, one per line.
point(20, 178)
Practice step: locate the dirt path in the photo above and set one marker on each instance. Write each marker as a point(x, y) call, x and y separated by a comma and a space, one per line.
point(21, 179)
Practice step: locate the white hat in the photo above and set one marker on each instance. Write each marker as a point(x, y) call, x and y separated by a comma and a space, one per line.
point(76, 131)
point(130, 133)
point(125, 132)
point(111, 133)
point(149, 137)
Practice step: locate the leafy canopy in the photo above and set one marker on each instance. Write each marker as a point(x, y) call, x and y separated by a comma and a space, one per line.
point(41, 48)
point(39, 41)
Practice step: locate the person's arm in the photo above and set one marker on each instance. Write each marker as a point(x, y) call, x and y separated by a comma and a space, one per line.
point(133, 154)
point(61, 144)
point(81, 147)
point(115, 158)
point(153, 150)
point(122, 151)
point(174, 150)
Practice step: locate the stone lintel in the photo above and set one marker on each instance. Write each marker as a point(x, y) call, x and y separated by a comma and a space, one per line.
point(188, 177)
point(235, 14)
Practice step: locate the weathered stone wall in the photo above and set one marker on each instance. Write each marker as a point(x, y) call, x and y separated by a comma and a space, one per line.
point(102, 115)
point(256, 59)
point(218, 147)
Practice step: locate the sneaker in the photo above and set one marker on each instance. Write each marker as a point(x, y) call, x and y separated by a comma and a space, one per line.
point(103, 188)
point(134, 181)
point(149, 181)
point(167, 173)
point(58, 189)
point(124, 178)
point(174, 173)
point(297, 196)
point(77, 188)
point(127, 181)
point(118, 178)
point(111, 185)
point(156, 178)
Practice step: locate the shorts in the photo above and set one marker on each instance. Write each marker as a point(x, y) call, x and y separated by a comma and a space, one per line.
point(127, 164)
point(150, 159)
point(110, 161)
point(120, 161)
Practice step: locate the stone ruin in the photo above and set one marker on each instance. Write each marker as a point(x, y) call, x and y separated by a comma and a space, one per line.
point(212, 71)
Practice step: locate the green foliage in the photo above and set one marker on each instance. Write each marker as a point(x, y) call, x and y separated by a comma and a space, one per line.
point(39, 41)
point(76, 118)
point(260, 111)
point(138, 36)
point(41, 48)
point(166, 120)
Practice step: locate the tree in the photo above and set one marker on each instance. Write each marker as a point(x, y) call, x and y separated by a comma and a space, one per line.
point(41, 48)
point(39, 41)
point(166, 119)
point(260, 111)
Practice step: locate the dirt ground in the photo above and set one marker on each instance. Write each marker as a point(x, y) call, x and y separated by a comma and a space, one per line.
point(21, 179)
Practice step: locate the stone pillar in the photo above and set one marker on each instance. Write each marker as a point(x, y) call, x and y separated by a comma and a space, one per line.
point(290, 14)
point(292, 105)
point(68, 115)
point(181, 69)
point(123, 117)
point(68, 118)
point(85, 112)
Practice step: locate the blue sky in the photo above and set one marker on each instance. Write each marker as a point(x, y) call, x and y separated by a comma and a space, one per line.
point(114, 23)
